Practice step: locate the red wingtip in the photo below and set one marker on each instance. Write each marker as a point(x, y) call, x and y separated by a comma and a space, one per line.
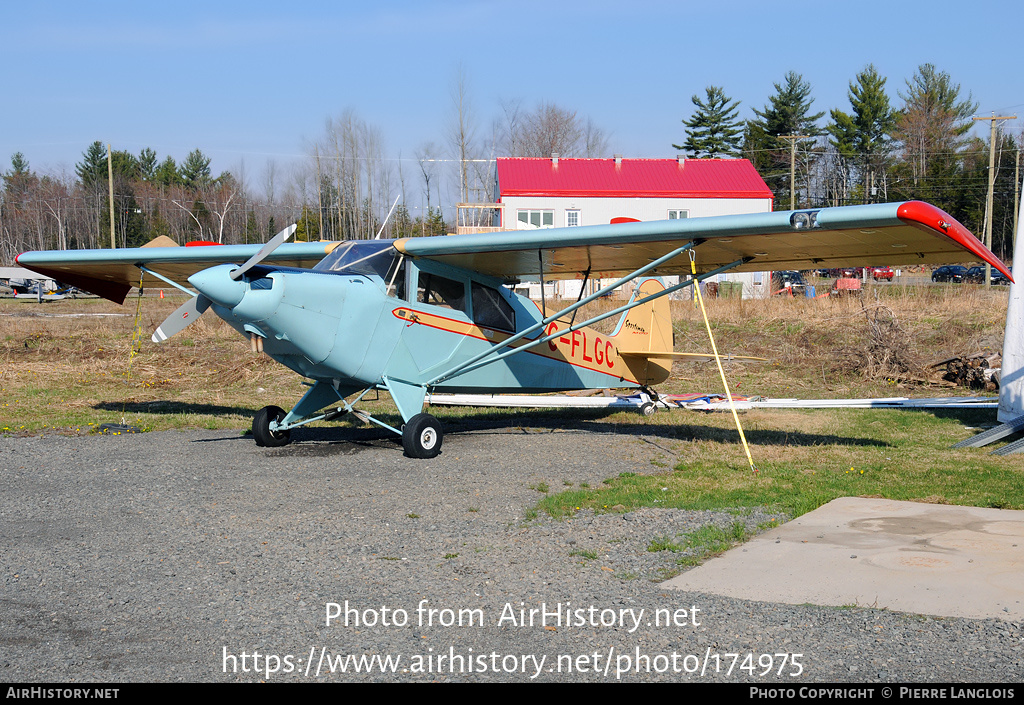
point(944, 224)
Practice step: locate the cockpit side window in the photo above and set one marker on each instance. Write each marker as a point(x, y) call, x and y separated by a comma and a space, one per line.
point(441, 291)
point(491, 309)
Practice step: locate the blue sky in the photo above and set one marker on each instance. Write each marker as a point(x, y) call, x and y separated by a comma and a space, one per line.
point(248, 81)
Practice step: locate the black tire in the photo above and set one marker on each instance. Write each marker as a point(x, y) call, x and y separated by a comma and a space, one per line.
point(647, 408)
point(261, 428)
point(422, 436)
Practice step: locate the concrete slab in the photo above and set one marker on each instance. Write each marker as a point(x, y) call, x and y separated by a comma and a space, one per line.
point(904, 556)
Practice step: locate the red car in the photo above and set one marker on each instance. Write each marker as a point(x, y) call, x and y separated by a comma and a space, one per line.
point(880, 273)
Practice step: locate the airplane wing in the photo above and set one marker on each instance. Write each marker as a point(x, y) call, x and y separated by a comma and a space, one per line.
point(912, 232)
point(112, 273)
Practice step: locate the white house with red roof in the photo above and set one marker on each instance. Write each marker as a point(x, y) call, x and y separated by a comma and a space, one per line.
point(559, 192)
point(555, 192)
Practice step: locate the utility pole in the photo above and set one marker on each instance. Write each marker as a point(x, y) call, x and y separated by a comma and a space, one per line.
point(110, 187)
point(1016, 196)
point(991, 187)
point(319, 197)
point(792, 166)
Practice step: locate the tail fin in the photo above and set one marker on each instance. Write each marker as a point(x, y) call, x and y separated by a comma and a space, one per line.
point(644, 335)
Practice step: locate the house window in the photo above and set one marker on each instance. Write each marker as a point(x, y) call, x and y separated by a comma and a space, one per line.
point(536, 219)
point(678, 214)
point(572, 219)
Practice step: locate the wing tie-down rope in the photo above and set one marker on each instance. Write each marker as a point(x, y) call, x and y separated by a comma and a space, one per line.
point(718, 361)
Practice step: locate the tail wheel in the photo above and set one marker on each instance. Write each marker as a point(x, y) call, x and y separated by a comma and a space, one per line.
point(422, 436)
point(261, 428)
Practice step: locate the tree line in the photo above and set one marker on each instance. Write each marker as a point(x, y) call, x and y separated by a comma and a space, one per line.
point(870, 151)
point(346, 187)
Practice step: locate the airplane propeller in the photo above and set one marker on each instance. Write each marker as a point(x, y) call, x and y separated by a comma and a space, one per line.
point(178, 321)
point(272, 244)
point(187, 313)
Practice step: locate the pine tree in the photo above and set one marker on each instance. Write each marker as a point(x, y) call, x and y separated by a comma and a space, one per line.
point(19, 166)
point(195, 171)
point(787, 113)
point(93, 167)
point(863, 137)
point(714, 130)
point(167, 173)
point(932, 132)
point(147, 164)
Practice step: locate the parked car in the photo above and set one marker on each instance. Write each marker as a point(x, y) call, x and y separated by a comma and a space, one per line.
point(789, 279)
point(976, 275)
point(879, 273)
point(950, 273)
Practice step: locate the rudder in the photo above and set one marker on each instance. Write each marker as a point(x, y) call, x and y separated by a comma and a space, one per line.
point(645, 331)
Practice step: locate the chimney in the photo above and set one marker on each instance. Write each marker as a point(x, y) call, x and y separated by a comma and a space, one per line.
point(681, 160)
point(618, 160)
point(554, 159)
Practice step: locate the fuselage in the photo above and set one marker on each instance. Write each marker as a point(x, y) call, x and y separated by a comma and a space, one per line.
point(364, 314)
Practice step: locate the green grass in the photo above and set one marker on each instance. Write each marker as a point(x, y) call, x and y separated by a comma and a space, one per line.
point(805, 459)
point(703, 543)
point(664, 543)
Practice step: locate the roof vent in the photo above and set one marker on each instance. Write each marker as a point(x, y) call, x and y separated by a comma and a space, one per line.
point(618, 160)
point(681, 160)
point(554, 158)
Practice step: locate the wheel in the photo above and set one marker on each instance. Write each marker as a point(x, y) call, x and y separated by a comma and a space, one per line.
point(422, 436)
point(261, 428)
point(647, 408)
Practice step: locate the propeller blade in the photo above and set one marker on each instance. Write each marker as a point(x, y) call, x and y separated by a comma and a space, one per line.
point(178, 321)
point(271, 245)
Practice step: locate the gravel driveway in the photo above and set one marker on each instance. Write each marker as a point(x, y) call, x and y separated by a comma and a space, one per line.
point(196, 556)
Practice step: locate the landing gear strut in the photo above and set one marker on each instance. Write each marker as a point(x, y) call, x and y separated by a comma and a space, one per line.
point(422, 436)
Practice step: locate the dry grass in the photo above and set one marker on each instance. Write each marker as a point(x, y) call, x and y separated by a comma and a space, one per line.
point(866, 346)
point(70, 371)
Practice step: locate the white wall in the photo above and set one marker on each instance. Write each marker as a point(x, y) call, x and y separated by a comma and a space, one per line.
point(600, 211)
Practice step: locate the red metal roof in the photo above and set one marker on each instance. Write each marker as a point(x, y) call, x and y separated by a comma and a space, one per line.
point(634, 178)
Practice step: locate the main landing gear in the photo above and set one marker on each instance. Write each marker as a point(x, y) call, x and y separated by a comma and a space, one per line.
point(422, 436)
point(261, 428)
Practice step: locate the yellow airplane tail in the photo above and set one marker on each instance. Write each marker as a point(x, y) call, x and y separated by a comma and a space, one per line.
point(644, 337)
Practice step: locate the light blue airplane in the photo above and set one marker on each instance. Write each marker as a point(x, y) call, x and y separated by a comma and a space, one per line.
point(436, 313)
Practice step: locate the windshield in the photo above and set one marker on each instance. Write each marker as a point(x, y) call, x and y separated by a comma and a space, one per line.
point(359, 257)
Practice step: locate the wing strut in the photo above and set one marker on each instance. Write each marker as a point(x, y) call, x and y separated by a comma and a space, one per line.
point(543, 299)
point(175, 284)
point(479, 362)
point(583, 287)
point(461, 367)
point(466, 367)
